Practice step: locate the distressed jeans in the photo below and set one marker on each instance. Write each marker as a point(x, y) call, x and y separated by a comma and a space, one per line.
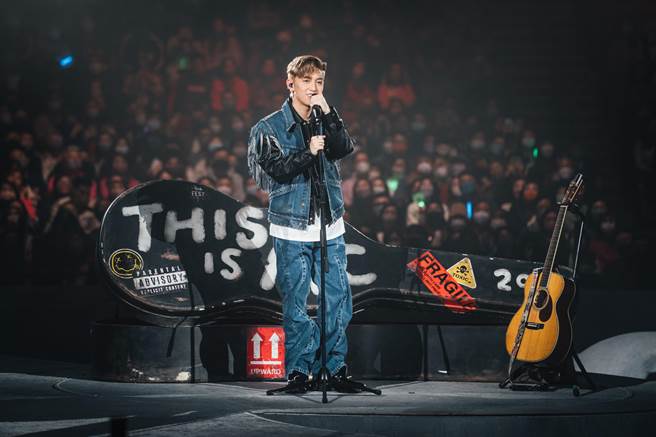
point(297, 262)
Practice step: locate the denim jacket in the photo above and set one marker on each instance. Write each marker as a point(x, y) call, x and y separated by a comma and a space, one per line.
point(279, 161)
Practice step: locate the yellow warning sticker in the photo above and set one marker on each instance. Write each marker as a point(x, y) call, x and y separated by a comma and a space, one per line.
point(463, 273)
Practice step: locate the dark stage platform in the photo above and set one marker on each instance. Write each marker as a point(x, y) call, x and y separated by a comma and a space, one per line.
point(55, 398)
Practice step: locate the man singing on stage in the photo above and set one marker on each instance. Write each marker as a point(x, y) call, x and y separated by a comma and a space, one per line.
point(283, 158)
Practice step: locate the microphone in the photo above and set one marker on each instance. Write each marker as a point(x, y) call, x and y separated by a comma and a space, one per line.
point(317, 113)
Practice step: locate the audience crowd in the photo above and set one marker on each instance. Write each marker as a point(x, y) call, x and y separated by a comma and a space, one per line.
point(440, 162)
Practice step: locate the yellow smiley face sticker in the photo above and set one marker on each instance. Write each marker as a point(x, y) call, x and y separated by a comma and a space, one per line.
point(124, 262)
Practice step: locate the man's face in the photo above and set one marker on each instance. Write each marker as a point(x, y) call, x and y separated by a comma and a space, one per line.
point(302, 88)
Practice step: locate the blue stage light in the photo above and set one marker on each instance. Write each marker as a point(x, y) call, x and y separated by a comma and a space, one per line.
point(66, 61)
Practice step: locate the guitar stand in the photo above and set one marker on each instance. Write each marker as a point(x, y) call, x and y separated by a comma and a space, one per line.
point(542, 385)
point(576, 389)
point(537, 373)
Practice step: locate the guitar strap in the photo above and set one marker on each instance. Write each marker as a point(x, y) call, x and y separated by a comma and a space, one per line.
point(522, 325)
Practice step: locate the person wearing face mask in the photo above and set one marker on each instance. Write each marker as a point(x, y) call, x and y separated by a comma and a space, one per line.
point(460, 236)
point(481, 226)
point(378, 187)
point(544, 165)
point(361, 211)
point(528, 142)
point(598, 210)
point(240, 150)
point(428, 145)
point(237, 128)
point(481, 214)
point(374, 173)
point(223, 165)
point(397, 182)
point(253, 195)
point(424, 167)
point(118, 166)
point(443, 150)
point(215, 126)
point(388, 223)
point(564, 172)
point(467, 186)
point(208, 181)
point(232, 82)
point(422, 195)
point(283, 156)
point(498, 147)
point(361, 168)
point(73, 164)
point(418, 133)
point(427, 189)
point(498, 221)
point(524, 209)
point(224, 185)
point(122, 147)
point(378, 202)
point(477, 144)
point(435, 216)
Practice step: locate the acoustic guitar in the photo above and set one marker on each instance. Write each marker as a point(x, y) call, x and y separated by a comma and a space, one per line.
point(541, 330)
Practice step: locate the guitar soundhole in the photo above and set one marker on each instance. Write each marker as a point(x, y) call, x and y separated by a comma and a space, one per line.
point(541, 299)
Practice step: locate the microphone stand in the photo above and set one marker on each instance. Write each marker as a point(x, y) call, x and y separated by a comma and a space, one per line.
point(324, 375)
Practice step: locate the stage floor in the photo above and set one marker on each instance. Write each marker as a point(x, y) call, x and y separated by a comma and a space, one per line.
point(56, 398)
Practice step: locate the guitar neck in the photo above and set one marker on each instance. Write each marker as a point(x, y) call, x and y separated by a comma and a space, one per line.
point(553, 246)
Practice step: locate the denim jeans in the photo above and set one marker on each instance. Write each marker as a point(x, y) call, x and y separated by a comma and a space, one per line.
point(297, 262)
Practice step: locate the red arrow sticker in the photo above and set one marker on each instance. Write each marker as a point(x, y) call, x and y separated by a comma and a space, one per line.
point(265, 350)
point(440, 282)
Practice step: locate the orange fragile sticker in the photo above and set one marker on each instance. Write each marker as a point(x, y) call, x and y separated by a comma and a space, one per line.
point(440, 282)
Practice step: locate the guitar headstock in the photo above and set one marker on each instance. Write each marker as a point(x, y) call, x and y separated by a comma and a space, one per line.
point(573, 190)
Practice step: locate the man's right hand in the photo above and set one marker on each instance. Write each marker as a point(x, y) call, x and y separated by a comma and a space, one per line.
point(316, 143)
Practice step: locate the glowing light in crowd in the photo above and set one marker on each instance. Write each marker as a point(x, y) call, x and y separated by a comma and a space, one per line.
point(66, 61)
point(392, 185)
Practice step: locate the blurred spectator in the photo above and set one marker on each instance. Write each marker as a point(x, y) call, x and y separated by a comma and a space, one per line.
point(229, 91)
point(395, 84)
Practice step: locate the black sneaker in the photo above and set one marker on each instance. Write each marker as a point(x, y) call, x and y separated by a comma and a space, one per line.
point(298, 382)
point(341, 382)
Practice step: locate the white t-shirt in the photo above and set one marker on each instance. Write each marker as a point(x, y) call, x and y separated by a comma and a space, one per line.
point(311, 233)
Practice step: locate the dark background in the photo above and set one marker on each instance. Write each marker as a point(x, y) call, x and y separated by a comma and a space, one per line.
point(496, 104)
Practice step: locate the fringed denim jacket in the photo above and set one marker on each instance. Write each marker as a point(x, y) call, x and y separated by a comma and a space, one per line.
point(280, 162)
